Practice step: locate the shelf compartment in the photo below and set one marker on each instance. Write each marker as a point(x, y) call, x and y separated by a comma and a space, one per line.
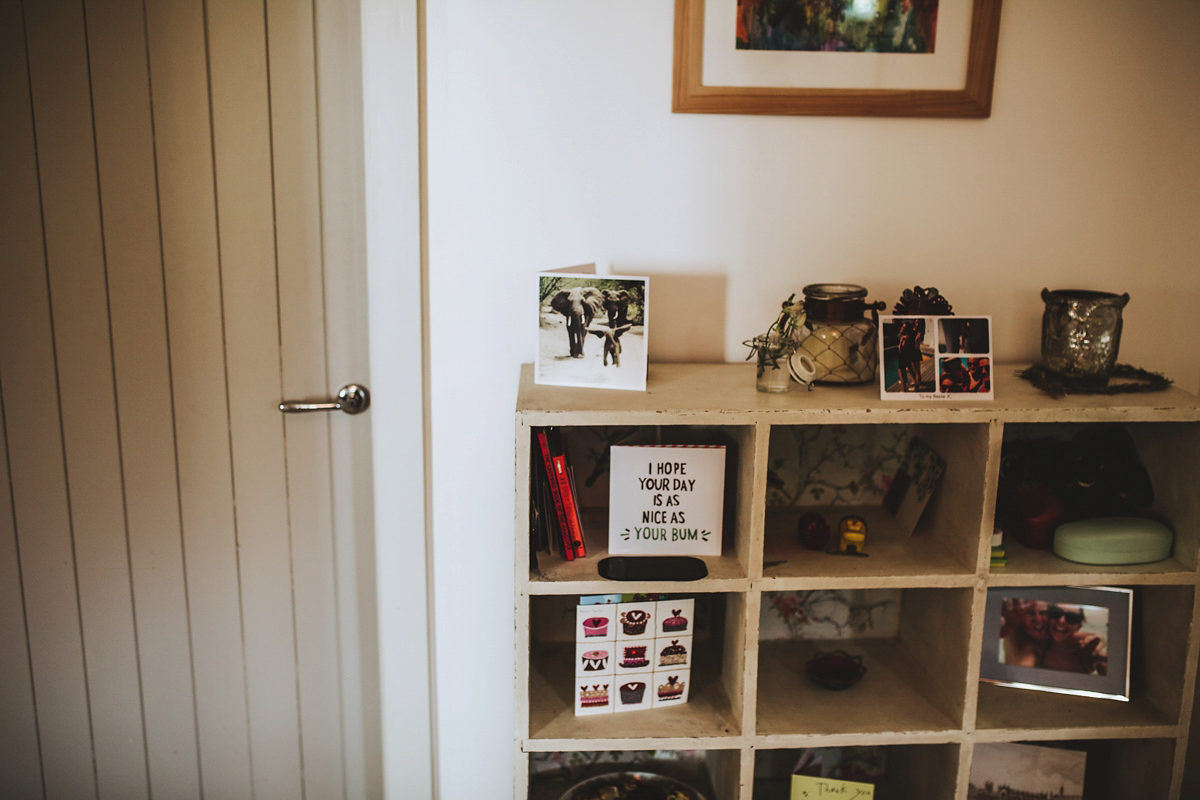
point(1162, 619)
point(1169, 451)
point(1019, 711)
point(713, 773)
point(895, 558)
point(1028, 567)
point(1121, 768)
point(712, 715)
point(943, 550)
point(552, 574)
point(915, 681)
point(581, 576)
point(915, 770)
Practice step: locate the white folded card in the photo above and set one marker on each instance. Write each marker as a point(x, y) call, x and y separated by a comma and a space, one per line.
point(666, 500)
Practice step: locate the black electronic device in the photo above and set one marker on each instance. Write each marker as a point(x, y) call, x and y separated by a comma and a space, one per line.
point(652, 568)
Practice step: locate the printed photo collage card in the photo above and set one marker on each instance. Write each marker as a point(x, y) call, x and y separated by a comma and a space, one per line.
point(935, 358)
point(632, 656)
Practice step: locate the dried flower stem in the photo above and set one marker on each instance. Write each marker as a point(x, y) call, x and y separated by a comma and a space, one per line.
point(780, 339)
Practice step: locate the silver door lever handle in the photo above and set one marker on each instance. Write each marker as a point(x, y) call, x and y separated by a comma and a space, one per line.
point(353, 399)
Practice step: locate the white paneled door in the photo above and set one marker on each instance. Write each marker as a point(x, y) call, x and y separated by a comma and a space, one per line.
point(186, 574)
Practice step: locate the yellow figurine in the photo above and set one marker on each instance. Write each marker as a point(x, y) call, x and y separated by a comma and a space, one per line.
point(853, 530)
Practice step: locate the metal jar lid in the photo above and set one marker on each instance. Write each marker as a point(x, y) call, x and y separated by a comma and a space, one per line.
point(834, 302)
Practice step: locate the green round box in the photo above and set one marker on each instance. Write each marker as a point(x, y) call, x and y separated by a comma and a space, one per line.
point(1113, 540)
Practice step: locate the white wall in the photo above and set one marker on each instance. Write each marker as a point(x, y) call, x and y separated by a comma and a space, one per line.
point(551, 142)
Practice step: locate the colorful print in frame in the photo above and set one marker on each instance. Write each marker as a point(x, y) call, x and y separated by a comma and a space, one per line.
point(713, 76)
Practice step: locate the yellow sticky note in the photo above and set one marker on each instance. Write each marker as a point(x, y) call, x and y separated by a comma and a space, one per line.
point(807, 788)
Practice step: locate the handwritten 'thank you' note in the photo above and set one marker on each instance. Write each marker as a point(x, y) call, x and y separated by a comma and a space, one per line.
point(805, 787)
point(666, 500)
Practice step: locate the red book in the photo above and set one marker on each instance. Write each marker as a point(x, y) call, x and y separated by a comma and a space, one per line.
point(568, 501)
point(581, 550)
point(552, 479)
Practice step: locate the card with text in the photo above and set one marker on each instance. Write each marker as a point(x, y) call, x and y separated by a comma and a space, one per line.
point(805, 787)
point(666, 500)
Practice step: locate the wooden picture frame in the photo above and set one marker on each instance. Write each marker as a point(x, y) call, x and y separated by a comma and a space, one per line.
point(691, 96)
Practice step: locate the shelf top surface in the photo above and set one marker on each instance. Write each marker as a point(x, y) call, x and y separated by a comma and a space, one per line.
point(725, 393)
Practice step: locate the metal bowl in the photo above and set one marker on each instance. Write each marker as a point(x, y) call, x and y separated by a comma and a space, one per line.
point(630, 786)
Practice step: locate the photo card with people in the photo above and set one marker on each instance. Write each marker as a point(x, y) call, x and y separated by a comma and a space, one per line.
point(592, 329)
point(1065, 639)
point(935, 358)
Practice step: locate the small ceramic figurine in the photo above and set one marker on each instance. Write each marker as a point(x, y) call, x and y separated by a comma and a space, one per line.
point(814, 531)
point(853, 530)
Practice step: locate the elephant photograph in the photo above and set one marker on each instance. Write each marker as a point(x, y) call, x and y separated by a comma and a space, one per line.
point(591, 331)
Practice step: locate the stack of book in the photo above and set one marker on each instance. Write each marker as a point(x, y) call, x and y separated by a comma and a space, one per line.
point(556, 525)
point(999, 559)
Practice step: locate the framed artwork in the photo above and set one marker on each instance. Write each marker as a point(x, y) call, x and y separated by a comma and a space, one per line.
point(1065, 639)
point(863, 58)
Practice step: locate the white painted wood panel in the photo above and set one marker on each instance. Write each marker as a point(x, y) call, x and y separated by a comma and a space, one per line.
point(302, 323)
point(125, 160)
point(59, 78)
point(242, 151)
point(340, 138)
point(395, 234)
point(34, 437)
point(187, 619)
point(187, 209)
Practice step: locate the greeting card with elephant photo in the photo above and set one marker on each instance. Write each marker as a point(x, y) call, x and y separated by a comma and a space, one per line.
point(591, 329)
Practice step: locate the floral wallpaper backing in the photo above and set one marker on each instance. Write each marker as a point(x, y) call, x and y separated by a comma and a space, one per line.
point(833, 465)
point(830, 614)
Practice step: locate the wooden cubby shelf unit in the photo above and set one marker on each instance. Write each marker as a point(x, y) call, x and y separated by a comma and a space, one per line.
point(751, 706)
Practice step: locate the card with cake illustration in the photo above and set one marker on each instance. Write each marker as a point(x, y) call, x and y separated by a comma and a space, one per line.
point(671, 687)
point(673, 654)
point(595, 623)
point(675, 617)
point(634, 694)
point(634, 657)
point(594, 696)
point(636, 620)
point(594, 658)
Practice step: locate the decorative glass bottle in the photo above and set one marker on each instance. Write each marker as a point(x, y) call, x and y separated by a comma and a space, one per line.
point(1081, 333)
point(842, 343)
point(773, 354)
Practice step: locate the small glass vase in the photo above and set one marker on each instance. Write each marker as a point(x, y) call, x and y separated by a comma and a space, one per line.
point(774, 380)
